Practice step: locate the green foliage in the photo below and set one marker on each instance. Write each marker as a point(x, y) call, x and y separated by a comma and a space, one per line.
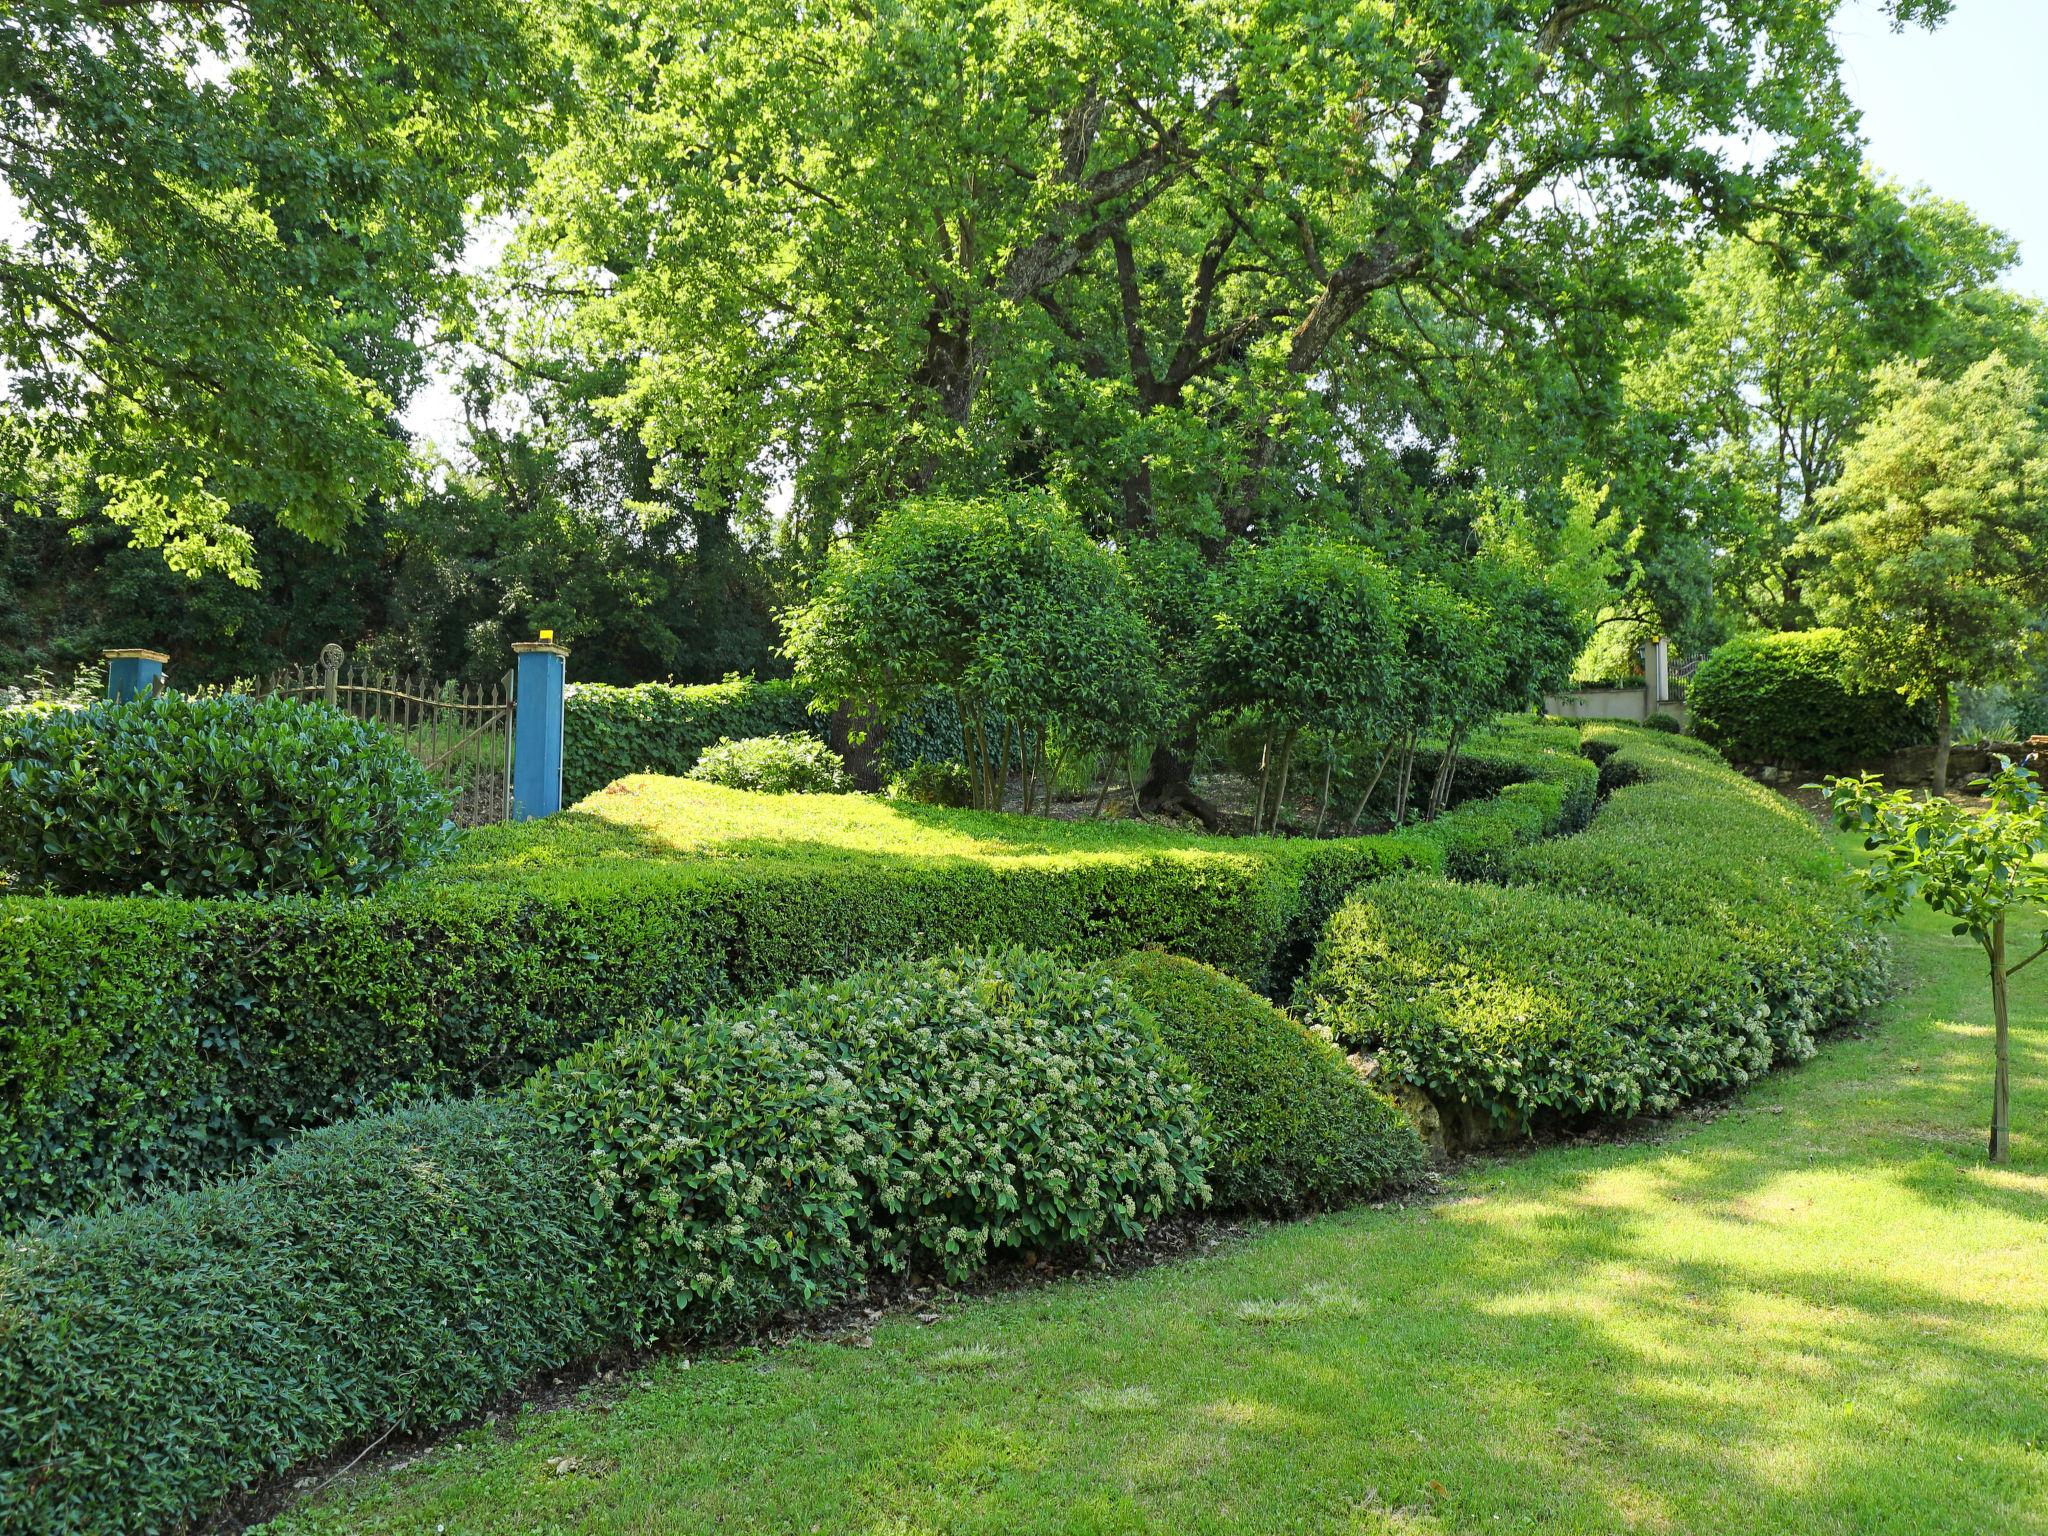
point(1670, 725)
point(145, 1040)
point(1513, 1008)
point(1793, 699)
point(774, 765)
point(1936, 558)
point(223, 327)
point(1691, 936)
point(1005, 603)
point(178, 796)
point(720, 1155)
point(931, 783)
point(608, 733)
point(1686, 844)
point(395, 1272)
point(399, 1271)
point(1307, 636)
point(1006, 1102)
point(1292, 1124)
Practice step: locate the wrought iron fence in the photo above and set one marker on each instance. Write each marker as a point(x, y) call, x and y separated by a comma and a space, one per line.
point(461, 732)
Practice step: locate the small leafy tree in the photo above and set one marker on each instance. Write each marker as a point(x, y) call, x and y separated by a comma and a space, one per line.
point(1937, 554)
point(1002, 601)
point(1307, 640)
point(1985, 869)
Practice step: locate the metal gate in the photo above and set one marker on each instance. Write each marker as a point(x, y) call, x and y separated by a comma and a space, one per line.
point(462, 733)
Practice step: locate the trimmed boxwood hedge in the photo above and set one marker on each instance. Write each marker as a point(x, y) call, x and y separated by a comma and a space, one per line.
point(156, 1042)
point(1783, 698)
point(1696, 933)
point(1292, 1124)
point(402, 1270)
point(610, 732)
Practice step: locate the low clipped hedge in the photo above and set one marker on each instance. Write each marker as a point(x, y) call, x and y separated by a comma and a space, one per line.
point(1785, 698)
point(1696, 933)
point(404, 1269)
point(395, 1271)
point(609, 732)
point(170, 795)
point(1292, 1124)
point(153, 1043)
point(1514, 1008)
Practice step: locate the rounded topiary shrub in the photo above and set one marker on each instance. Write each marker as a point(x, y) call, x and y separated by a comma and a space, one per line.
point(774, 765)
point(1785, 699)
point(722, 1155)
point(1007, 1101)
point(1292, 1124)
point(226, 796)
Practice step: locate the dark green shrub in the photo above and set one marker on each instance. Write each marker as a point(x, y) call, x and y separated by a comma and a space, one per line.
point(397, 1271)
point(1668, 724)
point(1783, 699)
point(774, 765)
point(1511, 1008)
point(1292, 1124)
point(608, 733)
point(926, 782)
point(1006, 1101)
point(401, 1270)
point(720, 1155)
point(146, 1040)
point(170, 795)
point(1688, 844)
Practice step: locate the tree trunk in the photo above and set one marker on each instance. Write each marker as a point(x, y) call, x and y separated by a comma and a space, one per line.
point(1945, 726)
point(2001, 1130)
point(1329, 767)
point(1378, 771)
point(1405, 781)
point(1280, 794)
point(1102, 795)
point(1265, 772)
point(1169, 787)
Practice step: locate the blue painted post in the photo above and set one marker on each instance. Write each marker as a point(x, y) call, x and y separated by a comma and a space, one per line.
point(132, 674)
point(537, 728)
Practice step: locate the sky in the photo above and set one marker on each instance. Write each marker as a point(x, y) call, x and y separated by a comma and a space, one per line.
point(1963, 109)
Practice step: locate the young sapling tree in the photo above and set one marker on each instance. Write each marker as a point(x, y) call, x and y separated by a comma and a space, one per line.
point(1986, 869)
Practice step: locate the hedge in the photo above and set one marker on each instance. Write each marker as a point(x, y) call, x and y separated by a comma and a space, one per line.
point(1784, 698)
point(153, 1043)
point(1292, 1124)
point(608, 732)
point(401, 1270)
point(1696, 933)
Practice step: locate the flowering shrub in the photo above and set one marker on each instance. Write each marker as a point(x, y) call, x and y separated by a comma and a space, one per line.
point(774, 765)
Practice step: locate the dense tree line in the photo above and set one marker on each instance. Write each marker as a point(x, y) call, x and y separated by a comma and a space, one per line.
point(1599, 293)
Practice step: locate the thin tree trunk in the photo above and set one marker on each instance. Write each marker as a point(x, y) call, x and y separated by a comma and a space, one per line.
point(1265, 768)
point(1365, 799)
point(1405, 781)
point(1102, 795)
point(2001, 1129)
point(1329, 766)
point(1945, 724)
point(1280, 794)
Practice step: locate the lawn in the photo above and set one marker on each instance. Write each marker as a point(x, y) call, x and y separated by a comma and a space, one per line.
point(1819, 1312)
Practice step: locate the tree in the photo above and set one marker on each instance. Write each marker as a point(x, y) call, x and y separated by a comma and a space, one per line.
point(1935, 554)
point(1768, 377)
point(232, 222)
point(1986, 869)
point(1004, 603)
point(1307, 640)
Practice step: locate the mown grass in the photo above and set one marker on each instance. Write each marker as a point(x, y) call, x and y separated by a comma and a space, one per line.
point(1820, 1312)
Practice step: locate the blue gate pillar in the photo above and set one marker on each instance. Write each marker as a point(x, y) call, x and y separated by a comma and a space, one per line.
point(537, 727)
point(132, 674)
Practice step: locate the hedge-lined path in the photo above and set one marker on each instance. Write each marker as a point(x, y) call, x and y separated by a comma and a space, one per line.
point(1820, 1312)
